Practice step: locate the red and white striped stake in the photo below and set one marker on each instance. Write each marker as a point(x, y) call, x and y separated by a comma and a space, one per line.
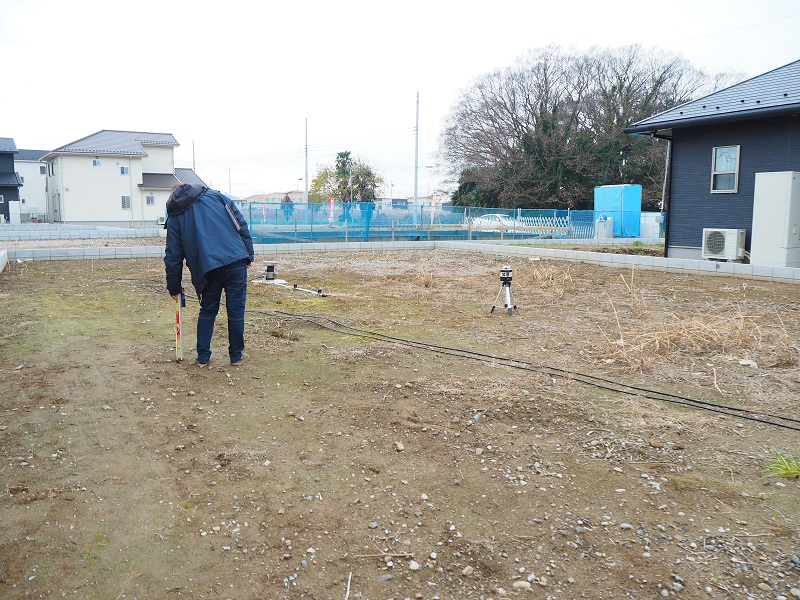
point(178, 346)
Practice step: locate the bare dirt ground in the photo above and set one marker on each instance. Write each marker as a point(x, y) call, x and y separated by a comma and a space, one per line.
point(339, 463)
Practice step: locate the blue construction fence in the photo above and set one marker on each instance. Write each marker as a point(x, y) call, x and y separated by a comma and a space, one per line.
point(279, 222)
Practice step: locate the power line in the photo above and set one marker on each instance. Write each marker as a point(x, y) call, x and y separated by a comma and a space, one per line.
point(287, 155)
point(749, 25)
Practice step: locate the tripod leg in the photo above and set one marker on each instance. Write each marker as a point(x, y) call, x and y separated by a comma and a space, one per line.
point(496, 299)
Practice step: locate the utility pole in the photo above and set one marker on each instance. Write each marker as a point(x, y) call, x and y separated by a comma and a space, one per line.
point(416, 154)
point(305, 194)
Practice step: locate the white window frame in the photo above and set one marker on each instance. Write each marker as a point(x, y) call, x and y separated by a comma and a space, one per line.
point(715, 172)
point(150, 200)
point(95, 162)
point(126, 200)
point(124, 171)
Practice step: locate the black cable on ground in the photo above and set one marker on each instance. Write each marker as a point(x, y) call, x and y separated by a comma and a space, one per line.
point(571, 374)
point(577, 376)
point(592, 380)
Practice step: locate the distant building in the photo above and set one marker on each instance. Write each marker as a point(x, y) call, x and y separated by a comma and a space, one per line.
point(294, 196)
point(9, 180)
point(421, 201)
point(393, 202)
point(32, 172)
point(113, 178)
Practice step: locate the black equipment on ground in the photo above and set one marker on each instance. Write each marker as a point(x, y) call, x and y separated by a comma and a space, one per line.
point(505, 286)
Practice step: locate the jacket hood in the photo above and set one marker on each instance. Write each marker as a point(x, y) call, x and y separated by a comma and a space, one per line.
point(183, 197)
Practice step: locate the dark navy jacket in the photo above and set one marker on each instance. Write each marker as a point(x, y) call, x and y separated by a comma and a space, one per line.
point(207, 230)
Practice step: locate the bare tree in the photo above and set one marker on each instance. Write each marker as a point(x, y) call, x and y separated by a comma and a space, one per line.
point(547, 129)
point(485, 126)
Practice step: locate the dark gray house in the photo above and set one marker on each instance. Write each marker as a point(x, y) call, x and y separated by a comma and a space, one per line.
point(717, 145)
point(9, 180)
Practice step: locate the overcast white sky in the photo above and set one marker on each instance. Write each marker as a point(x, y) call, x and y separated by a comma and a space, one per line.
point(236, 80)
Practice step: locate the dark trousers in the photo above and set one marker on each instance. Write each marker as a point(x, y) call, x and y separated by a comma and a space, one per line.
point(233, 279)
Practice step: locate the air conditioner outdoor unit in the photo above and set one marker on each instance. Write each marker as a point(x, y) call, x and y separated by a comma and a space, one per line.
point(724, 244)
point(162, 220)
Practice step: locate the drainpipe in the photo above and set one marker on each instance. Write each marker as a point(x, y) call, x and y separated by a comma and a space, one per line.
point(666, 169)
point(140, 190)
point(664, 204)
point(62, 200)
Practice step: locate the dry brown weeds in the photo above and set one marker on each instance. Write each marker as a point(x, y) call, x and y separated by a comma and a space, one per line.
point(641, 344)
point(549, 278)
point(425, 279)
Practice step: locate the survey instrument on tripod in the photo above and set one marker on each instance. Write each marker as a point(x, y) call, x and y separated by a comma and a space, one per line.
point(505, 286)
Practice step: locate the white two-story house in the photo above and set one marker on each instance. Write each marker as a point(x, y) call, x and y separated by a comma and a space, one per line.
point(113, 178)
point(32, 173)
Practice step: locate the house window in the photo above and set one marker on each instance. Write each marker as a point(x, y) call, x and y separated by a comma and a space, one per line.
point(95, 162)
point(725, 169)
point(123, 170)
point(151, 201)
point(42, 171)
point(52, 167)
point(126, 203)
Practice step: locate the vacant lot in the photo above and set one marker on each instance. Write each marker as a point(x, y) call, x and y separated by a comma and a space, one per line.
point(384, 453)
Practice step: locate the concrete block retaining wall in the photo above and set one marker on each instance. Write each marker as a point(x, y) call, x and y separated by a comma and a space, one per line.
point(625, 261)
point(34, 231)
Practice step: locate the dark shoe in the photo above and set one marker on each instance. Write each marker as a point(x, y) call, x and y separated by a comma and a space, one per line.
point(239, 362)
point(200, 364)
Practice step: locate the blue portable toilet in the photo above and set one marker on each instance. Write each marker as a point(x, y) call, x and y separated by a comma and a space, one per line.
point(623, 204)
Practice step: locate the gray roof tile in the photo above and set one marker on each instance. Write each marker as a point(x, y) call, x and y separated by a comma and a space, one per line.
point(774, 92)
point(127, 143)
point(30, 154)
point(7, 145)
point(165, 181)
point(10, 180)
point(189, 176)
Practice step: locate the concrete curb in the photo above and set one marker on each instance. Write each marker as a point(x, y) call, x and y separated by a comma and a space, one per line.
point(626, 261)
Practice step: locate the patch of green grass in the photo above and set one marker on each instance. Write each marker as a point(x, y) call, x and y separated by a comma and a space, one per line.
point(785, 464)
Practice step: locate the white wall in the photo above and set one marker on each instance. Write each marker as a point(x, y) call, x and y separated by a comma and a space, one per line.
point(159, 159)
point(55, 206)
point(159, 209)
point(33, 193)
point(93, 194)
